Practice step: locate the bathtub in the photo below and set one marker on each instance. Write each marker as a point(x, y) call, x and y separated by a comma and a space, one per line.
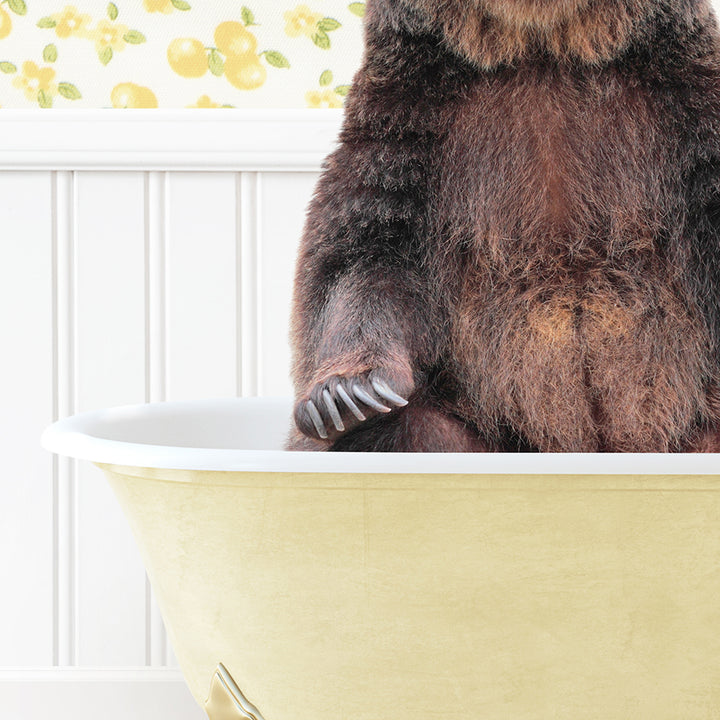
point(324, 586)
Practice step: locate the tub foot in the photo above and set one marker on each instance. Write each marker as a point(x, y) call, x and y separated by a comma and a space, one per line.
point(226, 702)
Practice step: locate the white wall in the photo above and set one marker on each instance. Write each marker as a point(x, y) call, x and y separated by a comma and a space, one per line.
point(141, 261)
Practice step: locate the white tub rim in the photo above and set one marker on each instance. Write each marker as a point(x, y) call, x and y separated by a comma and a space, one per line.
point(81, 436)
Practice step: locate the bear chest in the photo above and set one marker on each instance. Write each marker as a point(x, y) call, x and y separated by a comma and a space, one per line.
point(546, 166)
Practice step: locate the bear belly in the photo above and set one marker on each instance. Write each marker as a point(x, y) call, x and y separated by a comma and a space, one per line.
point(614, 363)
point(569, 324)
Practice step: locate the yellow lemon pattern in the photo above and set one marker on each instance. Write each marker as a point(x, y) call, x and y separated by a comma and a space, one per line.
point(233, 56)
point(204, 101)
point(178, 53)
point(5, 23)
point(187, 57)
point(165, 6)
point(130, 95)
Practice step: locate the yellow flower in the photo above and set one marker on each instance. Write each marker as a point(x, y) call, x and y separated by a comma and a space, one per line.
point(33, 79)
point(323, 99)
point(301, 21)
point(205, 102)
point(163, 6)
point(71, 22)
point(130, 95)
point(109, 34)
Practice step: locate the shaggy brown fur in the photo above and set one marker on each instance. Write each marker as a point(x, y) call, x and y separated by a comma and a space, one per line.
point(491, 32)
point(520, 231)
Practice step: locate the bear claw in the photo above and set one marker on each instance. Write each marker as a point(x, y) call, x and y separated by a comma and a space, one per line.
point(354, 409)
point(385, 392)
point(335, 408)
point(316, 419)
point(334, 412)
point(369, 400)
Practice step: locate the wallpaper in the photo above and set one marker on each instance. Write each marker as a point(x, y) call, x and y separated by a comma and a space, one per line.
point(178, 53)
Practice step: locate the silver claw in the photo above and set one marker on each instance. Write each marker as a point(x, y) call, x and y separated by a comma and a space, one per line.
point(332, 409)
point(368, 399)
point(384, 391)
point(317, 419)
point(354, 409)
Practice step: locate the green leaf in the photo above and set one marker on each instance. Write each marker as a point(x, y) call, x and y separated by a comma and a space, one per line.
point(328, 24)
point(326, 78)
point(19, 8)
point(342, 90)
point(7, 67)
point(112, 11)
point(247, 15)
point(69, 91)
point(44, 100)
point(180, 5)
point(134, 37)
point(321, 39)
point(276, 59)
point(216, 63)
point(46, 22)
point(50, 53)
point(105, 55)
point(357, 8)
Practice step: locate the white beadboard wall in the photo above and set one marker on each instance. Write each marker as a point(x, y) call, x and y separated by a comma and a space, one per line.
point(144, 256)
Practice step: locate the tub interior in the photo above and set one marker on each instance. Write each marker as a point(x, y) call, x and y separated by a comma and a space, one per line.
point(212, 424)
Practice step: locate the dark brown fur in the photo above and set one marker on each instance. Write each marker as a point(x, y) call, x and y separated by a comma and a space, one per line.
point(520, 229)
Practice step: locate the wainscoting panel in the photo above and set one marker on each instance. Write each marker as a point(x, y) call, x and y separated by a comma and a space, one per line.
point(282, 201)
point(109, 370)
point(200, 285)
point(26, 405)
point(129, 272)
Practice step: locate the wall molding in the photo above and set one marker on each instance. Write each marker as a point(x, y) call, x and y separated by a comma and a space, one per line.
point(211, 140)
point(90, 675)
point(112, 693)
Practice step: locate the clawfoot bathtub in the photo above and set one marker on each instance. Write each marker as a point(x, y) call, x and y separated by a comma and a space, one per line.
point(328, 586)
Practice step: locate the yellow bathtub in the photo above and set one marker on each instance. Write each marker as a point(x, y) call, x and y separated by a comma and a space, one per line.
point(324, 586)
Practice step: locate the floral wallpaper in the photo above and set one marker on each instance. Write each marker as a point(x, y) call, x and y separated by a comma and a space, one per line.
point(178, 53)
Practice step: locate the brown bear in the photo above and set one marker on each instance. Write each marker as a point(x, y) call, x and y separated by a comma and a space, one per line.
point(516, 244)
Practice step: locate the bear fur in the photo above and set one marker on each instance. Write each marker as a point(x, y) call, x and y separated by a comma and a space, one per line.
point(519, 233)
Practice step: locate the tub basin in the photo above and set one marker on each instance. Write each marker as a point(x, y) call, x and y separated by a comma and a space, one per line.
point(328, 586)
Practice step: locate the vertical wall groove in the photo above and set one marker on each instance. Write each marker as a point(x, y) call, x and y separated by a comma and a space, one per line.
point(65, 402)
point(155, 363)
point(155, 283)
point(55, 416)
point(257, 340)
point(238, 284)
point(248, 283)
point(73, 495)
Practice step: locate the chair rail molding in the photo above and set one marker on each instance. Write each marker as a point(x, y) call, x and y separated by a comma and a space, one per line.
point(192, 139)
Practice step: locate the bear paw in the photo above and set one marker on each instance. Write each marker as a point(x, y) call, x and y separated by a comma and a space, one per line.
point(342, 402)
